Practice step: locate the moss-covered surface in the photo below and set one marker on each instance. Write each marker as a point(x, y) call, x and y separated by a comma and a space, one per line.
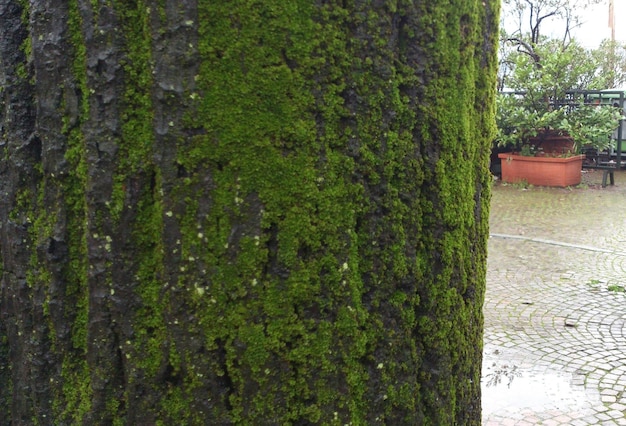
point(271, 212)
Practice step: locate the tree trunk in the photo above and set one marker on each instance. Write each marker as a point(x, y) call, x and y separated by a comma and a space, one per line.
point(244, 212)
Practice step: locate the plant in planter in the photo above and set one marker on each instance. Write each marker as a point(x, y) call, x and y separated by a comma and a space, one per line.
point(547, 75)
point(546, 145)
point(545, 117)
point(557, 130)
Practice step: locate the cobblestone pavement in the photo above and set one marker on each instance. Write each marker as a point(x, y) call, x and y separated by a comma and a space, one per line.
point(555, 307)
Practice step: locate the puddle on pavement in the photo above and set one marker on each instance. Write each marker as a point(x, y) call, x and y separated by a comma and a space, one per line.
point(510, 390)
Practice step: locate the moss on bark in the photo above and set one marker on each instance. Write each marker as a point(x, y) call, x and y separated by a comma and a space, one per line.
point(246, 212)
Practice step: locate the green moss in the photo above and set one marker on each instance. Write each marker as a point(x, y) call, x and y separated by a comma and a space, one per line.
point(136, 143)
point(27, 44)
point(332, 204)
point(74, 400)
point(147, 350)
point(253, 155)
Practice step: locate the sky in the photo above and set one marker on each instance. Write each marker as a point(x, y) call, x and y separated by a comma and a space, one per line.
point(594, 26)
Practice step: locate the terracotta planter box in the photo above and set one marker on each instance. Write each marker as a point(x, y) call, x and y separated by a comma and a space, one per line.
point(542, 171)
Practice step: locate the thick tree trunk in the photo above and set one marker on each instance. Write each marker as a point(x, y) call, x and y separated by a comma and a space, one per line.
point(244, 212)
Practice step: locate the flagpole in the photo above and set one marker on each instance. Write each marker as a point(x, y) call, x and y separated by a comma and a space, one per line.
point(612, 19)
point(612, 45)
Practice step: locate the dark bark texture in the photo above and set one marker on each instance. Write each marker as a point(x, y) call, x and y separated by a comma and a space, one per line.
point(244, 212)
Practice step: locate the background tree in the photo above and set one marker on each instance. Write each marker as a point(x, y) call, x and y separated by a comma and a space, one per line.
point(529, 18)
point(611, 59)
point(523, 31)
point(244, 212)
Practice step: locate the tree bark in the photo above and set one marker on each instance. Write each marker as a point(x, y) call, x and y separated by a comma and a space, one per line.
point(244, 212)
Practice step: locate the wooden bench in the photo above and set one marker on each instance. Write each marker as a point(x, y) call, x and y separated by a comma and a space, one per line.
point(608, 172)
point(601, 161)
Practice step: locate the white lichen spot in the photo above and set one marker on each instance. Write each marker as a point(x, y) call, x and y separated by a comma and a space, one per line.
point(189, 22)
point(182, 269)
point(171, 124)
point(108, 238)
point(200, 290)
point(254, 282)
point(169, 213)
point(385, 397)
point(191, 259)
point(95, 236)
point(128, 342)
point(226, 245)
point(107, 247)
point(200, 235)
point(112, 292)
point(380, 366)
point(213, 300)
point(256, 240)
point(344, 266)
point(127, 356)
point(267, 371)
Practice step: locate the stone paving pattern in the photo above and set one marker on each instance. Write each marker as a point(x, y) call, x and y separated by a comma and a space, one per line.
point(555, 306)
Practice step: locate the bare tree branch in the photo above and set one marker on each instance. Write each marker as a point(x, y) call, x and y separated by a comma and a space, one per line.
point(527, 48)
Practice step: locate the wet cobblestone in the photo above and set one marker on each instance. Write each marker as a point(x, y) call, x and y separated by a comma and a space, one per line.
point(555, 307)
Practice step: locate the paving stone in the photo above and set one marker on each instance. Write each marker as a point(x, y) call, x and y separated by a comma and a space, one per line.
point(603, 417)
point(548, 310)
point(618, 407)
point(615, 414)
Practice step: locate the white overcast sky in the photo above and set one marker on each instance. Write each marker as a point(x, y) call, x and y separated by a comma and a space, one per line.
point(595, 24)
